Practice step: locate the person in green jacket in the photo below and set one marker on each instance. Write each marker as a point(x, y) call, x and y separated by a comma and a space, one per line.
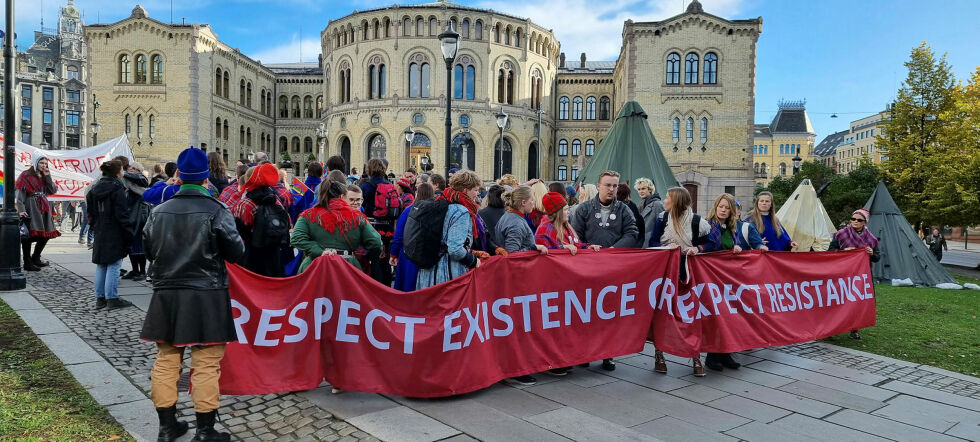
point(333, 227)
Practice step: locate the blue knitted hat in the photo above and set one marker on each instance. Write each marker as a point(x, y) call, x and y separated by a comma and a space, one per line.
point(192, 163)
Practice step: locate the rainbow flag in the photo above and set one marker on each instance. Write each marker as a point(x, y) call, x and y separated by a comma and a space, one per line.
point(1, 184)
point(299, 187)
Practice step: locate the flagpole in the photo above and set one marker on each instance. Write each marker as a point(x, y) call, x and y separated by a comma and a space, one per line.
point(11, 276)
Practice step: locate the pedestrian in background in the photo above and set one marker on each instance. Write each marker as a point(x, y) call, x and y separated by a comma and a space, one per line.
point(111, 219)
point(33, 187)
point(937, 243)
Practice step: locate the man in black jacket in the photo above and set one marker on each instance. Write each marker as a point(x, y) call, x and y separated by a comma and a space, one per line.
point(189, 238)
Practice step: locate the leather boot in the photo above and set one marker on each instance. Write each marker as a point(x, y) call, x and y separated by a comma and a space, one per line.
point(205, 429)
point(659, 363)
point(36, 256)
point(608, 364)
point(713, 361)
point(170, 427)
point(728, 361)
point(29, 265)
point(698, 368)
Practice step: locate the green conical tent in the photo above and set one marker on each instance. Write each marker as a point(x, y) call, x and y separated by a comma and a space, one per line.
point(903, 254)
point(630, 149)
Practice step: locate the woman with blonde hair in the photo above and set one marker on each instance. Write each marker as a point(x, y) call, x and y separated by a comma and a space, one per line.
point(555, 230)
point(649, 205)
point(763, 217)
point(679, 227)
point(585, 193)
point(508, 180)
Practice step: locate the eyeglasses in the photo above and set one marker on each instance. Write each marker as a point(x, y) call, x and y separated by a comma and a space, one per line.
point(858, 220)
point(357, 200)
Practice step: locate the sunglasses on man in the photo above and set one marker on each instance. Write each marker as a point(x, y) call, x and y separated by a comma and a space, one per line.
point(858, 220)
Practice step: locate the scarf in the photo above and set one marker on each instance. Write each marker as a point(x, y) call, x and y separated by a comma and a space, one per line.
point(671, 236)
point(456, 197)
point(570, 237)
point(848, 237)
point(245, 207)
point(33, 185)
point(338, 214)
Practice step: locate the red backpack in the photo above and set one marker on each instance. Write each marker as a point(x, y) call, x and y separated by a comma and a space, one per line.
point(386, 202)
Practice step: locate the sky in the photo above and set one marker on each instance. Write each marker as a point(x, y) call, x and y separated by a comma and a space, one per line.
point(844, 57)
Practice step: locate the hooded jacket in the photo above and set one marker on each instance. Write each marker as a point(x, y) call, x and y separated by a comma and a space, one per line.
point(109, 216)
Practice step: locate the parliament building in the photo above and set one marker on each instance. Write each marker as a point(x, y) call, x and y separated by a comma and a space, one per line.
point(381, 74)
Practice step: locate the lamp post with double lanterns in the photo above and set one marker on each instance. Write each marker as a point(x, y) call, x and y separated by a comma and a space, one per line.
point(11, 276)
point(501, 123)
point(796, 162)
point(95, 121)
point(449, 41)
point(409, 136)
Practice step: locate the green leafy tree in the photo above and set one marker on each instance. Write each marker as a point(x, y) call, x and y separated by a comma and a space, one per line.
point(911, 133)
point(286, 157)
point(955, 184)
point(311, 157)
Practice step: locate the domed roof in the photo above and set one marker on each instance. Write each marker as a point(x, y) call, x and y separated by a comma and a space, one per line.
point(70, 11)
point(138, 12)
point(695, 7)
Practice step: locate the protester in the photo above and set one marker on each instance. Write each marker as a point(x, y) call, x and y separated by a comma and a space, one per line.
point(555, 230)
point(337, 177)
point(264, 235)
point(139, 211)
point(605, 222)
point(405, 193)
point(422, 178)
point(190, 306)
point(354, 177)
point(623, 193)
point(438, 183)
point(571, 195)
point(723, 236)
point(233, 192)
point(856, 236)
point(763, 216)
point(111, 220)
point(679, 227)
point(218, 172)
point(337, 162)
point(301, 202)
point(412, 175)
point(508, 180)
point(747, 231)
point(538, 190)
point(260, 158)
point(355, 197)
point(558, 188)
point(459, 230)
point(512, 230)
point(585, 193)
point(85, 232)
point(490, 215)
point(158, 174)
point(650, 205)
point(383, 223)
point(406, 272)
point(33, 187)
point(936, 243)
point(333, 227)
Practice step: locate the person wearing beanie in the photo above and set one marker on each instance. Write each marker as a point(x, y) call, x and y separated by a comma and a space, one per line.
point(262, 255)
point(190, 303)
point(405, 194)
point(555, 230)
point(33, 187)
point(857, 236)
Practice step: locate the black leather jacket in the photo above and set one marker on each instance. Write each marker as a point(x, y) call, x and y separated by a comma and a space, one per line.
point(189, 238)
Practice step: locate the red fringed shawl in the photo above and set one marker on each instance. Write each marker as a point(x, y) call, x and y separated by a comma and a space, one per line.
point(339, 214)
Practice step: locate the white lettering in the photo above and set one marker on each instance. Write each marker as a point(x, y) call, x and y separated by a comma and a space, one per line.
point(266, 326)
point(299, 323)
point(344, 319)
point(369, 330)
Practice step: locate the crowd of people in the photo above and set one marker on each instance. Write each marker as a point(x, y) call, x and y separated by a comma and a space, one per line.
point(409, 231)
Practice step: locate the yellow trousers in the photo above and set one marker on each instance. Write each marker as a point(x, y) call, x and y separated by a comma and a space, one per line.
point(205, 372)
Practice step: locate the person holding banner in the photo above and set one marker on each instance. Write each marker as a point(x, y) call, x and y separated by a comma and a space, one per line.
point(190, 237)
point(458, 231)
point(555, 231)
point(763, 216)
point(33, 187)
point(679, 227)
point(856, 236)
point(747, 231)
point(333, 227)
point(724, 236)
point(513, 232)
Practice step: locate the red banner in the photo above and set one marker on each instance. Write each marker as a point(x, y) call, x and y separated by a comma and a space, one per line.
point(512, 316)
point(755, 300)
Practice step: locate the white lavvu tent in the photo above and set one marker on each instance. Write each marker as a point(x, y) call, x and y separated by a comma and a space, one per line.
point(806, 220)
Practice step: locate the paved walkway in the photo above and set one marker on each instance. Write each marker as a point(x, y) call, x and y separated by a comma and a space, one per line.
point(804, 392)
point(968, 259)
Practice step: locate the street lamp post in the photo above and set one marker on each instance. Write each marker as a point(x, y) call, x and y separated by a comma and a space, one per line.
point(409, 136)
point(321, 138)
point(449, 41)
point(501, 123)
point(95, 121)
point(11, 276)
point(796, 162)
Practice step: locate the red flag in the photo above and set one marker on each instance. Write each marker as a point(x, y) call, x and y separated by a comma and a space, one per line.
point(299, 187)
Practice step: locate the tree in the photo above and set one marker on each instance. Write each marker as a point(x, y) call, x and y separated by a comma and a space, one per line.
point(911, 132)
point(955, 184)
point(847, 193)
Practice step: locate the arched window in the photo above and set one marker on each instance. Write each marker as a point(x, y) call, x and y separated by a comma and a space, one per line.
point(295, 107)
point(344, 79)
point(307, 145)
point(241, 135)
point(496, 33)
point(536, 89)
point(673, 68)
point(125, 75)
point(262, 101)
point(73, 72)
point(517, 38)
point(308, 106)
point(763, 169)
point(465, 78)
point(505, 83)
point(224, 127)
point(377, 76)
point(563, 173)
point(782, 169)
point(376, 25)
point(704, 130)
point(507, 32)
point(224, 90)
point(217, 81)
point(377, 148)
point(576, 147)
point(433, 27)
point(574, 173)
point(248, 136)
point(577, 108)
point(406, 25)
point(283, 107)
point(563, 148)
point(689, 130)
point(507, 157)
point(139, 126)
point(295, 143)
point(563, 108)
point(283, 144)
point(418, 76)
point(478, 30)
point(129, 124)
point(710, 68)
point(157, 63)
point(590, 108)
point(604, 108)
point(675, 130)
point(419, 27)
point(319, 106)
point(465, 30)
point(153, 126)
point(691, 68)
point(248, 94)
point(140, 68)
point(589, 148)
point(241, 92)
point(217, 128)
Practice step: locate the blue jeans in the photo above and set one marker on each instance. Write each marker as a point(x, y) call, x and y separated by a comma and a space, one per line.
point(107, 280)
point(85, 231)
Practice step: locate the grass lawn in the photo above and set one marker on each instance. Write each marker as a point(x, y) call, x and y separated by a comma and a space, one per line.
point(924, 325)
point(39, 398)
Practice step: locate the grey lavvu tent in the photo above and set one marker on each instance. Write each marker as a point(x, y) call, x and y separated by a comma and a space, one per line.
point(630, 149)
point(903, 254)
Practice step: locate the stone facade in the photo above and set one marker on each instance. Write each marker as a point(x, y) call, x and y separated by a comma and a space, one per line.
point(861, 142)
point(50, 96)
point(584, 111)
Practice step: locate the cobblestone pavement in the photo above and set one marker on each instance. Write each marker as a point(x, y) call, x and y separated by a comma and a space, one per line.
point(115, 335)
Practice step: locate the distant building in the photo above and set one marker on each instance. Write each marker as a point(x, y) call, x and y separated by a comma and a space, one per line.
point(826, 150)
point(860, 141)
point(776, 144)
point(50, 94)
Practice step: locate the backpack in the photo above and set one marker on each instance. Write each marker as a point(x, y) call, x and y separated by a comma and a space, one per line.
point(423, 232)
point(271, 226)
point(386, 202)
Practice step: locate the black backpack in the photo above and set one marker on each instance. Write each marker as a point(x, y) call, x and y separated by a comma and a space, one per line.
point(423, 232)
point(270, 226)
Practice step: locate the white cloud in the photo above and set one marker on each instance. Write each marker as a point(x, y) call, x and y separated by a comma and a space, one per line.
point(290, 52)
point(596, 27)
